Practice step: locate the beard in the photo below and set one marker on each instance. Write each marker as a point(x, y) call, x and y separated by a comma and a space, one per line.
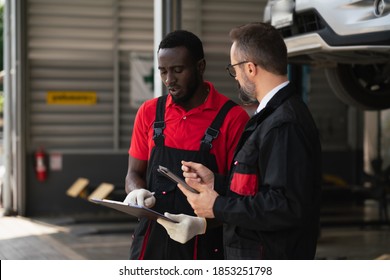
point(190, 91)
point(247, 93)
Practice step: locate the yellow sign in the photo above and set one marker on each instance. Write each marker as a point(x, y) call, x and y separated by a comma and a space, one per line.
point(71, 97)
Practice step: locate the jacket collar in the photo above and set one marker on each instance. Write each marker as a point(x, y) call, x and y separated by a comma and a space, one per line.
point(277, 100)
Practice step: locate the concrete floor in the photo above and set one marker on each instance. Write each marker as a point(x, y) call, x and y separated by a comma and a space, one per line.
point(355, 231)
point(351, 232)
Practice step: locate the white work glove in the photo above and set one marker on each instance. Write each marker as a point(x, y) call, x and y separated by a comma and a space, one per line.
point(186, 228)
point(141, 197)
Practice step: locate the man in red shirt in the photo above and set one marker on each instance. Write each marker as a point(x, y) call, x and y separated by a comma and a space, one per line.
point(193, 122)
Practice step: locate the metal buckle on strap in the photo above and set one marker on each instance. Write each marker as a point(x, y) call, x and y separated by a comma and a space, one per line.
point(158, 128)
point(210, 134)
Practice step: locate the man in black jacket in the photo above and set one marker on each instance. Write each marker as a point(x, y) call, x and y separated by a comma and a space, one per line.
point(271, 208)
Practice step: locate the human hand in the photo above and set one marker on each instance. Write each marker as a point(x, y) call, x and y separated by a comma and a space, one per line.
point(197, 173)
point(141, 197)
point(200, 178)
point(185, 228)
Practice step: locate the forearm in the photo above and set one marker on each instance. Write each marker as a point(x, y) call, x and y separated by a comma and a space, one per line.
point(134, 181)
point(270, 212)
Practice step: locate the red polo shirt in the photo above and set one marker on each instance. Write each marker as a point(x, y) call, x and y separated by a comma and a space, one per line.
point(184, 130)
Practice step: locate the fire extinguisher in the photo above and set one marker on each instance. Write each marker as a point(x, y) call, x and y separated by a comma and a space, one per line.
point(40, 166)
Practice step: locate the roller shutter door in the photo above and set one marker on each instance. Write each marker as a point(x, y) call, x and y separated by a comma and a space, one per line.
point(85, 46)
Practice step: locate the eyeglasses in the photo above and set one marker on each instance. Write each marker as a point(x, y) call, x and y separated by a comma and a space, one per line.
point(231, 70)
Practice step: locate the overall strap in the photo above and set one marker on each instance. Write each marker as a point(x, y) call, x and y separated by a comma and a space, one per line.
point(213, 130)
point(159, 123)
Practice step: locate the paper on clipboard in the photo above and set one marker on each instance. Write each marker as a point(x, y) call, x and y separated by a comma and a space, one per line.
point(131, 209)
point(166, 172)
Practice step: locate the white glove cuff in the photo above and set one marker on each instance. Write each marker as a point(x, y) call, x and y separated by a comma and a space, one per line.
point(204, 225)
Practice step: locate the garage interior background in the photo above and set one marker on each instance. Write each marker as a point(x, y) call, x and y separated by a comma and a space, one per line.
point(87, 48)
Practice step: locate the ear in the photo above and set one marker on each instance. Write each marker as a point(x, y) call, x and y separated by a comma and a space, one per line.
point(252, 69)
point(202, 66)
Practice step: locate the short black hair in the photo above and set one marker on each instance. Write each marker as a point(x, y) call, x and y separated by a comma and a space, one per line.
point(184, 38)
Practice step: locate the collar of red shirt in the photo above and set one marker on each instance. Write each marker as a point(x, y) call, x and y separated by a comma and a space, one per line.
point(209, 104)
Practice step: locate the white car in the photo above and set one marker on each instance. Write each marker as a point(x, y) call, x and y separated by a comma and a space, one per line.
point(350, 38)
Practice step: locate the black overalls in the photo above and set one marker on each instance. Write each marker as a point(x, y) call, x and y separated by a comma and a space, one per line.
point(151, 240)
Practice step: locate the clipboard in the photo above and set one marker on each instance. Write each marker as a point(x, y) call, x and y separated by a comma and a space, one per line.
point(167, 173)
point(131, 209)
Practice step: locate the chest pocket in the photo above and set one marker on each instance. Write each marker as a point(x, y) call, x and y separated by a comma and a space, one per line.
point(245, 178)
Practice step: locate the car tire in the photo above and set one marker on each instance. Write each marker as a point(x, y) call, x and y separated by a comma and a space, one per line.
point(365, 86)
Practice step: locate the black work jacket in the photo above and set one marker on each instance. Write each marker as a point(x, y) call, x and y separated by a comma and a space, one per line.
point(271, 210)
